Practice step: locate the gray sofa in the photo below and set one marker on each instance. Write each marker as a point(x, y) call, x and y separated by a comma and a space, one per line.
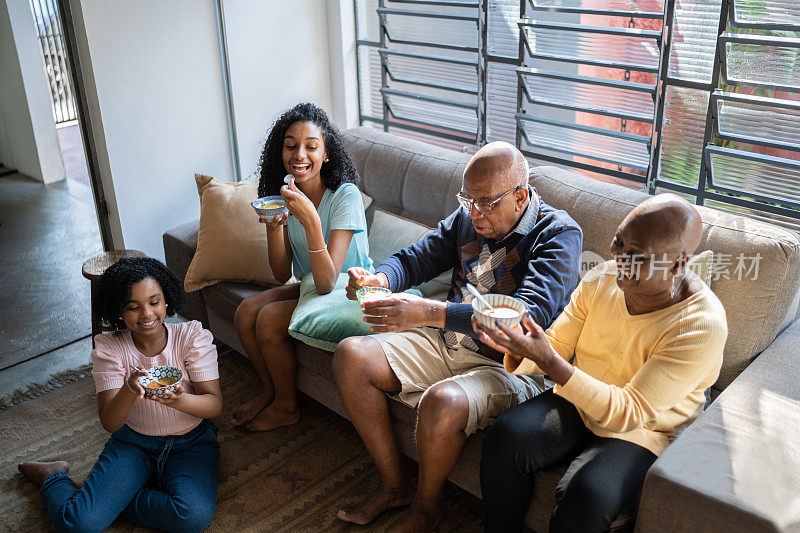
point(735, 468)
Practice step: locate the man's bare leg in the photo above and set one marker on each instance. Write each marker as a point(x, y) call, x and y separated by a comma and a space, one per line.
point(363, 376)
point(245, 323)
point(441, 420)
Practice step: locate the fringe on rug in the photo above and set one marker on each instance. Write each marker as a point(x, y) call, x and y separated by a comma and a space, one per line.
point(35, 390)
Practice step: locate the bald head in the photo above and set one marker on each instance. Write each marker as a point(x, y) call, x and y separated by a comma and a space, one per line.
point(496, 180)
point(500, 162)
point(667, 223)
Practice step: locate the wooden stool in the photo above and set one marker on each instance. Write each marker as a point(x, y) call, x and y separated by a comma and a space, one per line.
point(93, 268)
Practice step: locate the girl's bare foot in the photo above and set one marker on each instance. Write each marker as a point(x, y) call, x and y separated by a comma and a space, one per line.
point(417, 519)
point(382, 500)
point(273, 416)
point(37, 472)
point(248, 410)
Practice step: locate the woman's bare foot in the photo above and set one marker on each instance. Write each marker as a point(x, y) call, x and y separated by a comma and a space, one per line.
point(273, 416)
point(248, 410)
point(37, 472)
point(382, 500)
point(418, 519)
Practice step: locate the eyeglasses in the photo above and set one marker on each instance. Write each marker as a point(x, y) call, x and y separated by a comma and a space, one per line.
point(484, 208)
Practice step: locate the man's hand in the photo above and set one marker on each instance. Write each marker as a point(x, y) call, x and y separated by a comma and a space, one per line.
point(403, 311)
point(361, 277)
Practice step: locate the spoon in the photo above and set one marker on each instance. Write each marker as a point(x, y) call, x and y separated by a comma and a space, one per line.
point(471, 288)
point(287, 178)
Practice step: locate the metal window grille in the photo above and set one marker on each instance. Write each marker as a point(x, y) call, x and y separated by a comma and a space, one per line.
point(51, 42)
point(699, 97)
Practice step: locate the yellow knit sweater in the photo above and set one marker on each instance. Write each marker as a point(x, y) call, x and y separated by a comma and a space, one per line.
point(639, 378)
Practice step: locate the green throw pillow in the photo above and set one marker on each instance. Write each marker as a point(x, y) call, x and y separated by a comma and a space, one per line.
point(324, 321)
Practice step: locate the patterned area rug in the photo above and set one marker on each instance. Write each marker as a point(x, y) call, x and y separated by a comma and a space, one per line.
point(291, 479)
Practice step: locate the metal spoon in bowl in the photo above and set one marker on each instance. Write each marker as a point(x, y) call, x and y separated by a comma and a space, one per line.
point(471, 288)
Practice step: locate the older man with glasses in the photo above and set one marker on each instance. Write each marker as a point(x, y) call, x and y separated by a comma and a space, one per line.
point(502, 239)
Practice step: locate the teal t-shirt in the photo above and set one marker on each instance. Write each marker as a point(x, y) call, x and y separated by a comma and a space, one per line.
point(339, 209)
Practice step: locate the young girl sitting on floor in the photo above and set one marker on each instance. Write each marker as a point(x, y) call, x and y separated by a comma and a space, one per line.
point(326, 234)
point(159, 468)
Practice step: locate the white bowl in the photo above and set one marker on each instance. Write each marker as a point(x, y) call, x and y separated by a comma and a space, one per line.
point(502, 301)
point(368, 294)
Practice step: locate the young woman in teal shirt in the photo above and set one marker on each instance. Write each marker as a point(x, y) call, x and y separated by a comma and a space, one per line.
point(324, 233)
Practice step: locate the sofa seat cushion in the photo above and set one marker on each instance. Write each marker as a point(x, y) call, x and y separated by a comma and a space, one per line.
point(225, 297)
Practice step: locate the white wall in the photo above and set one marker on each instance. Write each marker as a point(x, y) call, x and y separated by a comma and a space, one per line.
point(159, 93)
point(278, 56)
point(28, 138)
point(156, 78)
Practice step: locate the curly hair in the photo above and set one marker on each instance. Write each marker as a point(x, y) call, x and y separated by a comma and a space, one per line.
point(114, 288)
point(339, 168)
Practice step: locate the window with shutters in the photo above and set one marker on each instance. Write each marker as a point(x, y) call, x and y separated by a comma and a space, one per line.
point(698, 97)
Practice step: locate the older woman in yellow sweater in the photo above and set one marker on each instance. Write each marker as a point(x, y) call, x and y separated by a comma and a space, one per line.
point(631, 356)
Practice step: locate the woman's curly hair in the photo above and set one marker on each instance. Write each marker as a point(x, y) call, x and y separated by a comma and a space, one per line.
point(114, 288)
point(339, 168)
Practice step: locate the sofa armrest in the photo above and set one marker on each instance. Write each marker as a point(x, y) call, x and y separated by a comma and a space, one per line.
point(180, 244)
point(737, 467)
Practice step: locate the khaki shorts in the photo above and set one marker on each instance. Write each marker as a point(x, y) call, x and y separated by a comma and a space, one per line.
point(420, 358)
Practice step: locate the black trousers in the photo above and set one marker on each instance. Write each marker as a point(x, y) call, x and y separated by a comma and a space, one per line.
point(605, 476)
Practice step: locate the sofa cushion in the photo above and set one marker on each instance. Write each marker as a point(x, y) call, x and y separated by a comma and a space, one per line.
point(395, 170)
point(323, 321)
point(225, 297)
point(596, 206)
point(231, 242)
point(702, 264)
point(755, 307)
point(179, 245)
point(390, 233)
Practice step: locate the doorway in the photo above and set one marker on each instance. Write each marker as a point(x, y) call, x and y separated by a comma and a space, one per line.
point(46, 233)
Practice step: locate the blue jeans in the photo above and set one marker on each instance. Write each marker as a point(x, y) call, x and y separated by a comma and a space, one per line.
point(167, 483)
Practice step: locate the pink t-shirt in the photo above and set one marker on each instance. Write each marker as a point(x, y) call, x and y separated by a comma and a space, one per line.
point(189, 347)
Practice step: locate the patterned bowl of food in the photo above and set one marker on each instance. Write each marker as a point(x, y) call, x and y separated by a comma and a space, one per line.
point(161, 380)
point(506, 310)
point(269, 206)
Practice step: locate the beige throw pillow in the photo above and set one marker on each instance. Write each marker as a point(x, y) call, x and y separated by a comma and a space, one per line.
point(231, 243)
